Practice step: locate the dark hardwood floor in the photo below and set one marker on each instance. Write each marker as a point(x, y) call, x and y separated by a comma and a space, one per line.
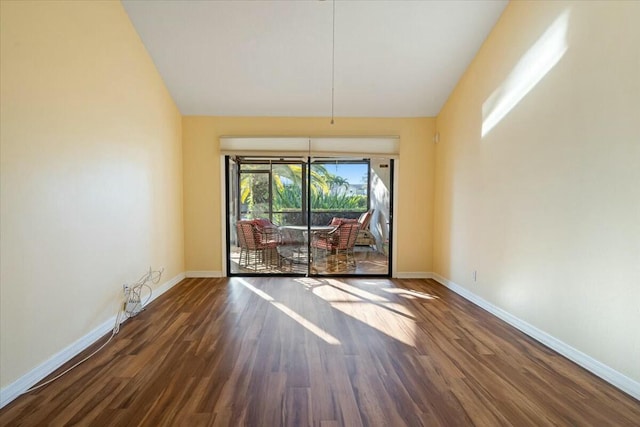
point(322, 352)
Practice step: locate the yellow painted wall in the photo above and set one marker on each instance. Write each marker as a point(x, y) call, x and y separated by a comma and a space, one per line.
point(91, 174)
point(546, 206)
point(203, 198)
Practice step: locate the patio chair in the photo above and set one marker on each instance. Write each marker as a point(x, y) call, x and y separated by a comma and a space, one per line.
point(365, 238)
point(256, 241)
point(337, 242)
point(265, 224)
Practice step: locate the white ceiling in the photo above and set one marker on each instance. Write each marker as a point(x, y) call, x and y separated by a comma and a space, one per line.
point(273, 58)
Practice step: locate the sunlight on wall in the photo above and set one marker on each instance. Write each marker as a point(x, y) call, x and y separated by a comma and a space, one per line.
point(532, 67)
point(319, 332)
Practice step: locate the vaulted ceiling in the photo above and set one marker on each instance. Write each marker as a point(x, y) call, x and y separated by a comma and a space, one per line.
point(274, 58)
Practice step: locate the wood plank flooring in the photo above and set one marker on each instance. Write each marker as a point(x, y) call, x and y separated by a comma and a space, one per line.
point(321, 352)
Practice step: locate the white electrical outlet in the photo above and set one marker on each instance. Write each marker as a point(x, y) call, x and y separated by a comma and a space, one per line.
point(132, 305)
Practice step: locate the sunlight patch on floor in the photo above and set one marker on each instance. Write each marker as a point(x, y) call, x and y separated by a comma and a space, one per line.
point(355, 291)
point(309, 282)
point(320, 333)
point(255, 290)
point(392, 319)
point(310, 326)
point(381, 319)
point(410, 294)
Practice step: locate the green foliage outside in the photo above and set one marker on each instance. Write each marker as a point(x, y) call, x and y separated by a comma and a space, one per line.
point(327, 191)
point(338, 202)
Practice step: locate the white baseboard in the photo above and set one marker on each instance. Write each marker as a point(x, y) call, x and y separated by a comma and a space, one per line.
point(413, 275)
point(166, 286)
point(19, 386)
point(603, 371)
point(203, 274)
point(22, 384)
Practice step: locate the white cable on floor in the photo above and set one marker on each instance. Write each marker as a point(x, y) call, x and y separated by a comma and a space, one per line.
point(150, 276)
point(113, 334)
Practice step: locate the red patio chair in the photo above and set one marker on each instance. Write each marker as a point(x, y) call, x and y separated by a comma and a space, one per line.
point(339, 241)
point(261, 243)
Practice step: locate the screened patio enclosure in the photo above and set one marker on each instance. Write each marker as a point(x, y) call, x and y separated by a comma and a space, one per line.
point(308, 216)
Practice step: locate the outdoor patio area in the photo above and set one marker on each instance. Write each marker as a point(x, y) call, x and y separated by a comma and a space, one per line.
point(366, 261)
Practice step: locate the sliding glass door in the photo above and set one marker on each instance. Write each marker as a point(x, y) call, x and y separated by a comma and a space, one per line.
point(321, 216)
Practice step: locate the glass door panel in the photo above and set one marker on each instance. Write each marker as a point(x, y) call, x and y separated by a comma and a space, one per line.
point(289, 211)
point(234, 250)
point(267, 216)
point(350, 196)
point(321, 217)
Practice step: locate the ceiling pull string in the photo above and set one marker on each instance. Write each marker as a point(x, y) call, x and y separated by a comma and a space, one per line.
point(333, 60)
